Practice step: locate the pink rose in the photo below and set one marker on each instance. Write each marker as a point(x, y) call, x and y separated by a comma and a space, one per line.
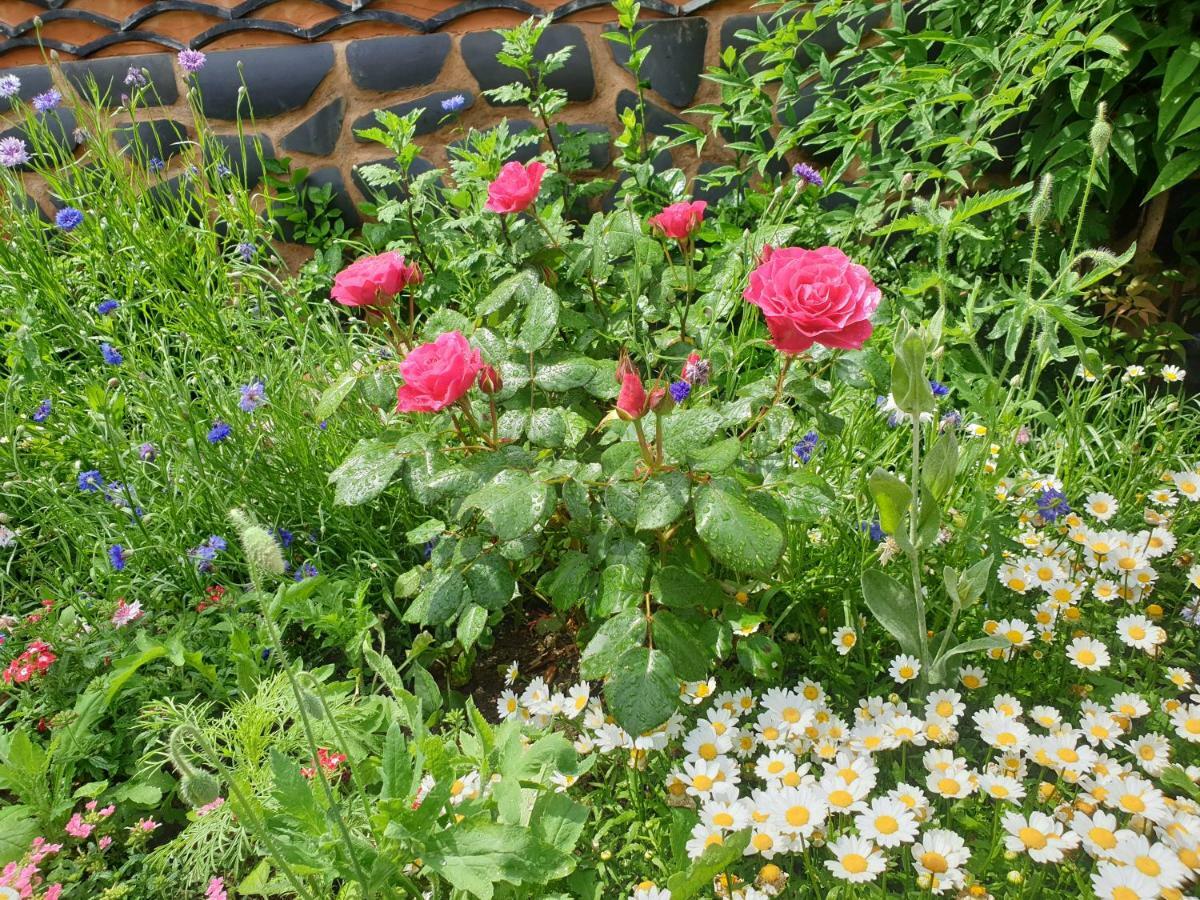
point(374, 280)
point(632, 401)
point(437, 374)
point(813, 297)
point(515, 187)
point(680, 220)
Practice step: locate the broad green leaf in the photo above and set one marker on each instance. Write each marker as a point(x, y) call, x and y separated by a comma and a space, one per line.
point(564, 374)
point(681, 587)
point(365, 473)
point(910, 388)
point(662, 498)
point(395, 767)
point(475, 855)
point(893, 498)
point(333, 396)
point(17, 829)
point(612, 639)
point(558, 821)
point(1180, 167)
point(512, 503)
point(714, 861)
point(539, 319)
point(547, 428)
point(688, 431)
point(568, 583)
point(715, 458)
point(761, 657)
point(683, 642)
point(439, 601)
point(491, 582)
point(737, 534)
point(894, 608)
point(937, 672)
point(643, 690)
point(294, 793)
point(470, 625)
point(941, 464)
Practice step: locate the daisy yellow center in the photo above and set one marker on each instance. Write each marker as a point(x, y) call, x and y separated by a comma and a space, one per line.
point(792, 779)
point(456, 788)
point(702, 783)
point(677, 788)
point(848, 640)
point(1133, 803)
point(1087, 657)
point(886, 825)
point(774, 767)
point(906, 672)
point(646, 886)
point(762, 842)
point(948, 786)
point(708, 751)
point(970, 681)
point(1120, 892)
point(848, 775)
point(581, 701)
point(999, 790)
point(714, 839)
point(797, 816)
point(1192, 726)
point(872, 742)
point(811, 693)
point(723, 820)
point(904, 733)
point(791, 714)
point(1032, 838)
point(1014, 635)
point(1147, 752)
point(841, 798)
point(1147, 866)
point(771, 734)
point(854, 863)
point(1006, 739)
point(934, 862)
point(945, 709)
point(719, 728)
point(1137, 632)
point(702, 689)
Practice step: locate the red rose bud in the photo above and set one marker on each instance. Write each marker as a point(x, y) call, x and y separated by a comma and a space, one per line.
point(680, 220)
point(490, 381)
point(660, 402)
point(631, 402)
point(625, 367)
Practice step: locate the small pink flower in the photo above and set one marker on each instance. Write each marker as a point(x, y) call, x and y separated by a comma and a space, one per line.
point(515, 187)
point(40, 849)
point(91, 805)
point(53, 892)
point(216, 890)
point(105, 842)
point(77, 828)
point(108, 811)
point(209, 807)
point(680, 221)
point(126, 613)
point(374, 280)
point(146, 825)
point(437, 374)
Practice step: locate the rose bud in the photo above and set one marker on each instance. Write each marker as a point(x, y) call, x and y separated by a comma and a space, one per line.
point(631, 402)
point(490, 381)
point(660, 403)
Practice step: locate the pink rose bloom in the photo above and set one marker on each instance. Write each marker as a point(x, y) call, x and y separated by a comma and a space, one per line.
point(631, 402)
point(374, 280)
point(813, 297)
point(437, 374)
point(515, 187)
point(680, 220)
point(77, 828)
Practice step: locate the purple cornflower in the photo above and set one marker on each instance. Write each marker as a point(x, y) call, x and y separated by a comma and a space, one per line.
point(13, 152)
point(951, 419)
point(939, 389)
point(807, 175)
point(453, 104)
point(284, 537)
point(218, 432)
point(47, 101)
point(807, 446)
point(218, 543)
point(9, 86)
point(90, 481)
point(155, 164)
point(112, 355)
point(192, 61)
point(205, 553)
point(245, 251)
point(147, 452)
point(874, 530)
point(223, 171)
point(254, 395)
point(696, 370)
point(308, 570)
point(68, 218)
point(1052, 504)
point(680, 390)
point(116, 556)
point(42, 413)
point(134, 77)
point(107, 306)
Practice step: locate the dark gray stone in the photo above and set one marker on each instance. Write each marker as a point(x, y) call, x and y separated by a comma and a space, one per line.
point(515, 127)
point(249, 170)
point(396, 63)
point(729, 29)
point(277, 79)
point(162, 138)
point(657, 118)
point(34, 80)
point(109, 75)
point(59, 131)
point(319, 133)
point(432, 116)
point(676, 57)
point(479, 50)
point(392, 192)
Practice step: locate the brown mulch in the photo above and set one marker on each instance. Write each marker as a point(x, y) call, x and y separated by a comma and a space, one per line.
point(537, 646)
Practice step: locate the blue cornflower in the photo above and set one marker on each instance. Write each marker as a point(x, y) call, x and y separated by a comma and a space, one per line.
point(42, 413)
point(114, 493)
point(90, 481)
point(807, 175)
point(218, 543)
point(807, 446)
point(1052, 504)
point(308, 570)
point(223, 171)
point(874, 530)
point(116, 556)
point(112, 356)
point(107, 306)
point(47, 101)
point(323, 424)
point(147, 452)
point(134, 77)
point(155, 164)
point(266, 653)
point(453, 104)
point(205, 553)
point(428, 549)
point(284, 537)
point(245, 251)
point(218, 432)
point(9, 86)
point(254, 395)
point(68, 218)
point(680, 391)
point(952, 419)
point(939, 389)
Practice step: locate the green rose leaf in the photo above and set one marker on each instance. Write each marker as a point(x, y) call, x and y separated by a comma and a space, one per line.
point(681, 587)
point(471, 624)
point(365, 473)
point(512, 503)
point(662, 499)
point(539, 319)
point(643, 690)
point(611, 641)
point(570, 582)
point(683, 642)
point(736, 533)
point(564, 374)
point(547, 428)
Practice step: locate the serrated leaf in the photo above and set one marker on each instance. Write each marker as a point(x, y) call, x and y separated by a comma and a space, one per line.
point(714, 861)
point(736, 534)
point(682, 641)
point(643, 690)
point(612, 639)
point(366, 472)
point(564, 374)
point(539, 319)
point(663, 497)
point(512, 503)
point(470, 625)
point(547, 428)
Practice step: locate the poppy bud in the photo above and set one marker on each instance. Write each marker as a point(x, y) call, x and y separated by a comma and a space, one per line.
point(490, 381)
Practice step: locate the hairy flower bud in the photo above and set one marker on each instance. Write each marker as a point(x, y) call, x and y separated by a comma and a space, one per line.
point(199, 788)
point(1039, 207)
point(490, 381)
point(262, 552)
point(1101, 132)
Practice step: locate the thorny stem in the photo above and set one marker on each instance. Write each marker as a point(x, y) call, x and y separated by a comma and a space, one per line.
point(641, 436)
point(787, 364)
point(504, 230)
point(394, 327)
